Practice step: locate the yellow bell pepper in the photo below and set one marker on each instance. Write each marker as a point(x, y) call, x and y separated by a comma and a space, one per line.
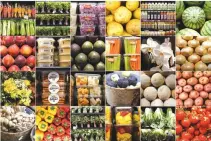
point(49, 118)
point(43, 126)
point(38, 108)
point(42, 112)
point(52, 110)
point(38, 119)
point(39, 135)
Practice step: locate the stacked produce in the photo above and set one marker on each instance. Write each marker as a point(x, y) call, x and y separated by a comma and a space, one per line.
point(17, 53)
point(88, 134)
point(91, 19)
point(71, 90)
point(123, 18)
point(88, 89)
point(123, 88)
point(53, 18)
point(114, 49)
point(17, 88)
point(52, 123)
point(157, 53)
point(193, 53)
point(193, 18)
point(16, 120)
point(193, 88)
point(193, 123)
point(125, 126)
point(157, 89)
point(158, 124)
point(87, 54)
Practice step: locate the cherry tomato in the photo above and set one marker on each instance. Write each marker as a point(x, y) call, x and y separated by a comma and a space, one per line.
point(180, 114)
point(178, 129)
point(185, 122)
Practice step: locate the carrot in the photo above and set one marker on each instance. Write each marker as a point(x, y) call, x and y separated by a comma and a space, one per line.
point(9, 10)
point(138, 46)
point(5, 11)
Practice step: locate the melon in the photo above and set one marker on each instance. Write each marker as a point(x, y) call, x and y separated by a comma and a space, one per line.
point(180, 7)
point(193, 17)
point(206, 29)
point(187, 32)
point(194, 3)
point(207, 9)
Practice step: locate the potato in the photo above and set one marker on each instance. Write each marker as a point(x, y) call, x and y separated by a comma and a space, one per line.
point(187, 88)
point(199, 101)
point(182, 82)
point(203, 80)
point(178, 89)
point(170, 102)
point(188, 102)
point(198, 87)
point(204, 94)
point(178, 75)
point(164, 92)
point(187, 74)
point(207, 73)
point(194, 94)
point(208, 102)
point(157, 80)
point(157, 103)
point(145, 102)
point(150, 93)
point(183, 96)
point(207, 87)
point(170, 81)
point(192, 81)
point(179, 102)
point(145, 81)
point(198, 74)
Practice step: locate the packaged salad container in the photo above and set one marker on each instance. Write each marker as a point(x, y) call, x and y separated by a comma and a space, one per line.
point(132, 45)
point(64, 63)
point(124, 133)
point(83, 79)
point(45, 42)
point(95, 100)
point(64, 57)
point(87, 30)
point(83, 92)
point(64, 43)
point(64, 50)
point(123, 115)
point(41, 57)
point(112, 45)
point(93, 79)
point(82, 101)
point(45, 63)
point(132, 62)
point(47, 51)
point(113, 62)
point(87, 8)
point(87, 19)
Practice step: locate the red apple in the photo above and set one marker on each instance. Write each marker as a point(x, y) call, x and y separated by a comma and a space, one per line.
point(26, 68)
point(20, 60)
point(34, 50)
point(13, 50)
point(8, 40)
point(20, 40)
point(14, 68)
point(26, 50)
point(8, 60)
point(3, 50)
point(30, 40)
point(30, 61)
point(2, 68)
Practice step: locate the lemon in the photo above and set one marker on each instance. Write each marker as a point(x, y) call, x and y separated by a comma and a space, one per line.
point(112, 5)
point(112, 12)
point(137, 13)
point(132, 5)
point(126, 34)
point(109, 18)
point(114, 29)
point(122, 15)
point(107, 12)
point(133, 27)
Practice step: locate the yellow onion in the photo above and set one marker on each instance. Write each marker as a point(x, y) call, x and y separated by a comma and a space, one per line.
point(194, 58)
point(206, 44)
point(177, 51)
point(181, 43)
point(209, 67)
point(200, 50)
point(209, 50)
point(187, 51)
point(188, 66)
point(200, 66)
point(201, 38)
point(206, 58)
point(187, 38)
point(178, 67)
point(180, 59)
point(193, 43)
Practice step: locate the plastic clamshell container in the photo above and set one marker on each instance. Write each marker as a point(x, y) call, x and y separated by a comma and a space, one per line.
point(64, 57)
point(73, 20)
point(132, 45)
point(93, 91)
point(86, 30)
point(83, 92)
point(124, 132)
point(73, 30)
point(113, 62)
point(87, 19)
point(132, 62)
point(113, 45)
point(64, 42)
point(45, 42)
point(53, 76)
point(45, 63)
point(60, 94)
point(93, 79)
point(83, 101)
point(73, 8)
point(101, 19)
point(101, 8)
point(87, 8)
point(102, 30)
point(65, 63)
point(123, 115)
point(41, 57)
point(43, 50)
point(108, 133)
point(61, 84)
point(65, 50)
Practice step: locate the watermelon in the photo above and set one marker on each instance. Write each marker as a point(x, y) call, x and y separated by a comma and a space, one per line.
point(194, 3)
point(188, 32)
point(206, 29)
point(193, 17)
point(180, 7)
point(207, 9)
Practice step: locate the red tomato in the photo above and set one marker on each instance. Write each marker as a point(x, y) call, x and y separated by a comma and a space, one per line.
point(202, 137)
point(178, 129)
point(191, 130)
point(208, 108)
point(209, 127)
point(198, 125)
point(194, 119)
point(201, 111)
point(186, 135)
point(203, 130)
point(185, 122)
point(180, 114)
point(196, 132)
point(204, 121)
point(208, 114)
point(196, 138)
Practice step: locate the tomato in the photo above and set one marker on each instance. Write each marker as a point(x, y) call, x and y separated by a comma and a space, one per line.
point(204, 121)
point(178, 129)
point(185, 122)
point(61, 113)
point(52, 129)
point(208, 114)
point(65, 138)
point(196, 138)
point(180, 114)
point(209, 127)
point(203, 130)
point(208, 108)
point(201, 111)
point(48, 136)
point(57, 138)
point(184, 140)
point(202, 137)
point(60, 130)
point(191, 130)
point(65, 123)
point(198, 125)
point(194, 119)
point(194, 108)
point(57, 121)
point(186, 135)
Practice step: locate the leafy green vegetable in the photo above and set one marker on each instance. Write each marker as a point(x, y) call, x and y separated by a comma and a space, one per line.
point(158, 119)
point(170, 118)
point(147, 117)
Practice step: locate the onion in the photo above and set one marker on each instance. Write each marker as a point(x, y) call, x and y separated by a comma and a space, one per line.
point(206, 58)
point(194, 58)
point(181, 43)
point(206, 44)
point(209, 50)
point(178, 67)
point(180, 59)
point(193, 43)
point(209, 67)
point(188, 66)
point(187, 38)
point(201, 38)
point(187, 51)
point(177, 51)
point(200, 66)
point(200, 50)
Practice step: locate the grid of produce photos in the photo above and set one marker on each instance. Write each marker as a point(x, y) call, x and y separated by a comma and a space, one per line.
point(105, 70)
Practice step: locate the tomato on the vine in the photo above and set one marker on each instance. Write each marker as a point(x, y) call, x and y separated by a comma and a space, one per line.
point(180, 114)
point(185, 122)
point(204, 121)
point(196, 132)
point(186, 135)
point(178, 129)
point(194, 119)
point(191, 130)
point(201, 111)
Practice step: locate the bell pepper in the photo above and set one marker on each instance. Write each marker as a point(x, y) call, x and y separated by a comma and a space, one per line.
point(65, 123)
point(65, 108)
point(57, 138)
point(49, 118)
point(57, 121)
point(60, 131)
point(67, 131)
point(52, 110)
point(61, 113)
point(48, 136)
point(66, 138)
point(52, 129)
point(38, 119)
point(42, 112)
point(39, 135)
point(43, 126)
